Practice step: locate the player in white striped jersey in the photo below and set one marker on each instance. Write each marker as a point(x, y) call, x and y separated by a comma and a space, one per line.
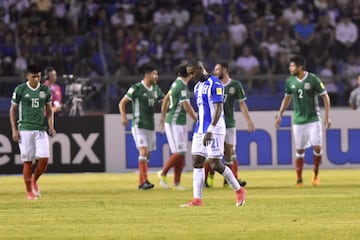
point(209, 133)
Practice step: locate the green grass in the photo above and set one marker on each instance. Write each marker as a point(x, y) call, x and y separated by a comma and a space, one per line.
point(109, 206)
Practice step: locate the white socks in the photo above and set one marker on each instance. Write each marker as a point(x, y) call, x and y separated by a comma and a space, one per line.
point(198, 182)
point(231, 179)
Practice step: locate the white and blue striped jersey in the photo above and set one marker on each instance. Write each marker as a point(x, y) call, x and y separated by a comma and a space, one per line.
point(206, 94)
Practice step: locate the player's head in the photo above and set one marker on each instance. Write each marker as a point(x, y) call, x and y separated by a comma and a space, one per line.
point(195, 69)
point(181, 71)
point(50, 74)
point(297, 65)
point(150, 73)
point(33, 73)
point(221, 70)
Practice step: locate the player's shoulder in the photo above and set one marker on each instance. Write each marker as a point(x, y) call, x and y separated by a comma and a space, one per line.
point(312, 76)
point(235, 83)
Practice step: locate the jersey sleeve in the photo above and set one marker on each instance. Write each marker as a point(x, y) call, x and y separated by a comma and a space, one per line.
point(217, 92)
point(287, 87)
point(319, 85)
point(160, 94)
point(240, 92)
point(16, 96)
point(48, 96)
point(131, 93)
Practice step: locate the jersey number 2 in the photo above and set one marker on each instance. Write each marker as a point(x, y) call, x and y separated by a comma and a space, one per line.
point(301, 94)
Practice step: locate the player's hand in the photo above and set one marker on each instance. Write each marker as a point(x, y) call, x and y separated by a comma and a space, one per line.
point(162, 124)
point(251, 127)
point(327, 122)
point(52, 132)
point(124, 121)
point(277, 121)
point(207, 138)
point(15, 135)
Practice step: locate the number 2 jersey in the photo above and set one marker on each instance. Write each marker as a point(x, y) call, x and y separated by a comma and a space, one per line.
point(31, 102)
point(143, 101)
point(207, 93)
point(305, 97)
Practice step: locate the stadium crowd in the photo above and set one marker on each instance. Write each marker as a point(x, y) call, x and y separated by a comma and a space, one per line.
point(93, 37)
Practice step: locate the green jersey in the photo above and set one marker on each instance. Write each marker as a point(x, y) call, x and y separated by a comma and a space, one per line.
point(31, 103)
point(305, 97)
point(233, 90)
point(178, 94)
point(143, 101)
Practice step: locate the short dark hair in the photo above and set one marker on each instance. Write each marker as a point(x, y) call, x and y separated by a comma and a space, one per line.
point(298, 60)
point(146, 69)
point(181, 71)
point(47, 71)
point(33, 68)
point(224, 65)
point(194, 63)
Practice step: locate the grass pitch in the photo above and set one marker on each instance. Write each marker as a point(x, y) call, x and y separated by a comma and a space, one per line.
point(109, 206)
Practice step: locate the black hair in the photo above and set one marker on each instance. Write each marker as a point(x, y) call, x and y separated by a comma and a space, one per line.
point(194, 63)
point(47, 71)
point(33, 68)
point(224, 65)
point(298, 60)
point(181, 71)
point(146, 69)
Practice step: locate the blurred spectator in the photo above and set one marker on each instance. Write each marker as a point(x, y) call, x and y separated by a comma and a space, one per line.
point(180, 16)
point(248, 66)
point(267, 67)
point(224, 48)
point(198, 27)
point(346, 35)
point(238, 33)
point(50, 76)
point(271, 45)
point(318, 52)
point(122, 18)
point(304, 31)
point(326, 74)
point(269, 15)
point(258, 32)
point(355, 13)
point(179, 47)
point(217, 26)
point(293, 14)
point(354, 99)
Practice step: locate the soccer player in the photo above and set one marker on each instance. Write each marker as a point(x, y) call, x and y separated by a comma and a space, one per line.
point(233, 90)
point(354, 99)
point(209, 133)
point(304, 87)
point(178, 103)
point(143, 96)
point(29, 100)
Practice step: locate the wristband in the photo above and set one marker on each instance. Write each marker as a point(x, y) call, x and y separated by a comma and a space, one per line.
point(210, 128)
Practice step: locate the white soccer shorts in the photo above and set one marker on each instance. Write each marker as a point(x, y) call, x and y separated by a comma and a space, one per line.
point(230, 137)
point(144, 138)
point(307, 135)
point(214, 150)
point(177, 137)
point(33, 144)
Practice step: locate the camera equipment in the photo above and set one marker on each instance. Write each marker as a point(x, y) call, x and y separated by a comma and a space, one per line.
point(76, 89)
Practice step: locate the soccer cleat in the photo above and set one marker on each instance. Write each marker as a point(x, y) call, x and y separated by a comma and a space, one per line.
point(163, 181)
point(315, 180)
point(31, 196)
point(242, 183)
point(240, 197)
point(210, 181)
point(146, 185)
point(299, 184)
point(196, 202)
point(178, 188)
point(35, 189)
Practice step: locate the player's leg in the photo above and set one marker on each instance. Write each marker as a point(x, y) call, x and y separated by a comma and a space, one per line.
point(215, 153)
point(27, 153)
point(181, 148)
point(209, 174)
point(42, 155)
point(141, 141)
point(315, 131)
point(228, 160)
point(301, 142)
point(198, 152)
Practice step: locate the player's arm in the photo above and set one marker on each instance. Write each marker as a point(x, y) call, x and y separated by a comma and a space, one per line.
point(352, 101)
point(190, 110)
point(14, 130)
point(164, 107)
point(50, 114)
point(122, 105)
point(326, 100)
point(284, 105)
point(245, 112)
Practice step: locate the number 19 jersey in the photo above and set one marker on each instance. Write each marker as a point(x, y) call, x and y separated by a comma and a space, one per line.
point(143, 101)
point(178, 94)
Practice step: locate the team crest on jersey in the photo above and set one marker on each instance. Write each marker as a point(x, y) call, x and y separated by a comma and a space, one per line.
point(307, 86)
point(218, 91)
point(232, 90)
point(155, 95)
point(183, 93)
point(42, 94)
